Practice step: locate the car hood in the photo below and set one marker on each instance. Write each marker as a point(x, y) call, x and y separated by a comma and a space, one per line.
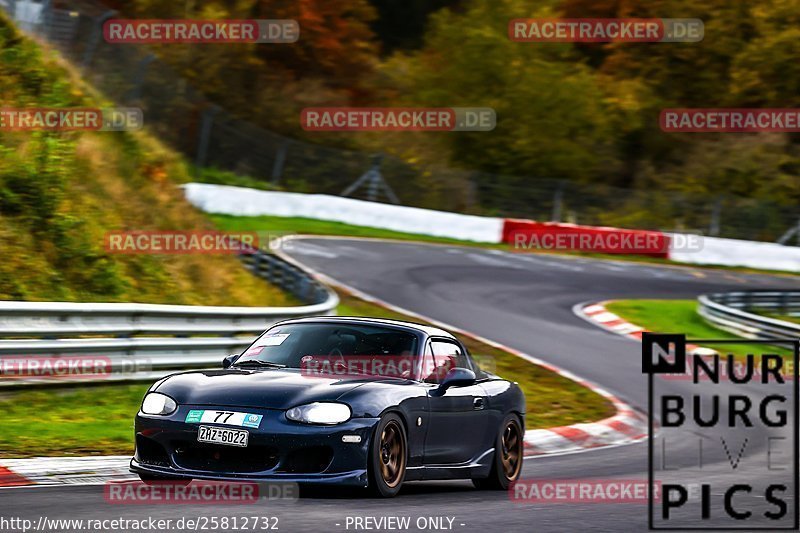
point(266, 389)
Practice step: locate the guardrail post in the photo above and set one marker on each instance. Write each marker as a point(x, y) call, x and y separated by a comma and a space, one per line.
point(274, 270)
point(302, 291)
point(280, 273)
point(291, 278)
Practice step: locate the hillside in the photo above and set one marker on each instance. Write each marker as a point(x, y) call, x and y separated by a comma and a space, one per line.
point(60, 192)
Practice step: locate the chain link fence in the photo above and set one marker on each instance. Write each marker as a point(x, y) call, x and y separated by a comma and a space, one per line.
point(131, 75)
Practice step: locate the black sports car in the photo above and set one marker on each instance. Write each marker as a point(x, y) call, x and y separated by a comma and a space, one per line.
point(352, 401)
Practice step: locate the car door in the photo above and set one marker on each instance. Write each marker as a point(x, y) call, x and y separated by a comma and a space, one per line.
point(458, 419)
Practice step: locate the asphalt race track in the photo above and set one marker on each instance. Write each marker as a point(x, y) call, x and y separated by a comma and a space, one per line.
point(524, 301)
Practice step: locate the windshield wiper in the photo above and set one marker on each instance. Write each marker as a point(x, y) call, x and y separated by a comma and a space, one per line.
point(259, 362)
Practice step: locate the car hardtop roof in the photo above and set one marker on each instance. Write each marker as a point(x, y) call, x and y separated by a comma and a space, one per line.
point(430, 330)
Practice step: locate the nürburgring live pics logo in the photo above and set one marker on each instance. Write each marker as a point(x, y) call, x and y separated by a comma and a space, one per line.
point(726, 452)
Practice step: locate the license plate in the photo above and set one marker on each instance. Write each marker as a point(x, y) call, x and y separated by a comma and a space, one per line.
point(228, 437)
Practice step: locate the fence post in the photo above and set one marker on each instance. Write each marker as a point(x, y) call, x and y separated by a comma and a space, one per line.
point(205, 137)
point(45, 20)
point(94, 38)
point(138, 78)
point(716, 214)
point(372, 190)
point(558, 201)
point(280, 159)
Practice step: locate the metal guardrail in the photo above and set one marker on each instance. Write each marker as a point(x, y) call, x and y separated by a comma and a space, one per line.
point(288, 276)
point(737, 312)
point(144, 341)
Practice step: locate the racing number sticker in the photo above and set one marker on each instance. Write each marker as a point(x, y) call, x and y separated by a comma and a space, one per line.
point(230, 418)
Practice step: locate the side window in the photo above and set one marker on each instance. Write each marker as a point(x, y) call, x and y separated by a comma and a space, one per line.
point(447, 356)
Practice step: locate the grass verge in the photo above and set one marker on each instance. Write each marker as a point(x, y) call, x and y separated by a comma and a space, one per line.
point(98, 420)
point(680, 316)
point(91, 420)
point(276, 226)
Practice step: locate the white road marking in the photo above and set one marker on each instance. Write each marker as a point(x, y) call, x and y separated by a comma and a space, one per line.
point(563, 265)
point(316, 251)
point(491, 261)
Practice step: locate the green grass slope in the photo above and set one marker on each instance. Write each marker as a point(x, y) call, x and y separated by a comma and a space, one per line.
point(60, 192)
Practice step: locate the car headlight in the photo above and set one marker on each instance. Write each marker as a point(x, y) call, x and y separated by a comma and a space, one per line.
point(158, 404)
point(319, 413)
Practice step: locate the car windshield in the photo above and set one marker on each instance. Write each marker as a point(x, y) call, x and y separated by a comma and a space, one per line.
point(341, 348)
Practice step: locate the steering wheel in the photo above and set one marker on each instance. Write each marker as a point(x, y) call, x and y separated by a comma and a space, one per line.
point(341, 364)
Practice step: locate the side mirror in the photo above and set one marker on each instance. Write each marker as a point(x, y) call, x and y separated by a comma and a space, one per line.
point(228, 361)
point(457, 377)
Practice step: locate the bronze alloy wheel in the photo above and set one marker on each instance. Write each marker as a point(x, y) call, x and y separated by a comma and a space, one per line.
point(512, 449)
point(392, 454)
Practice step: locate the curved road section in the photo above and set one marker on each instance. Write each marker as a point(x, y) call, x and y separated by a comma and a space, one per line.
point(523, 301)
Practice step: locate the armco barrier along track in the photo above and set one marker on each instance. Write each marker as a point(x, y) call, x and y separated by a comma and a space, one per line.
point(145, 341)
point(737, 312)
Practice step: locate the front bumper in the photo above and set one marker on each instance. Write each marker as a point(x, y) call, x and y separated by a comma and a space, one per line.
point(278, 450)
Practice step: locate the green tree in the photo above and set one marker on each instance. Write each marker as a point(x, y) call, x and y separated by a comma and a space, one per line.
point(766, 72)
point(552, 115)
point(269, 84)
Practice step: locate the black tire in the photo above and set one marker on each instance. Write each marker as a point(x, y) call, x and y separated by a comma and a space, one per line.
point(508, 454)
point(150, 479)
point(388, 457)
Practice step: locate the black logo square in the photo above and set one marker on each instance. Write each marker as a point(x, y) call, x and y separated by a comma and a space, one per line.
point(663, 353)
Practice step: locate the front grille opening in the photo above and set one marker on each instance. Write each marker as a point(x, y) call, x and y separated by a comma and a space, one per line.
point(150, 452)
point(216, 458)
point(308, 460)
